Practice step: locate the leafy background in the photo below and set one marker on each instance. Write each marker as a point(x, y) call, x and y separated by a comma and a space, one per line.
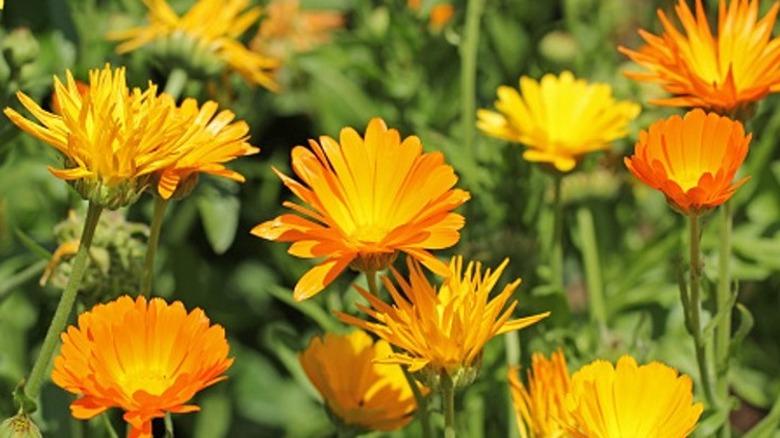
point(389, 61)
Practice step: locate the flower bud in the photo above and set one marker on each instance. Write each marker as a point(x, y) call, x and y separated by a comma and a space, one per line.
point(19, 426)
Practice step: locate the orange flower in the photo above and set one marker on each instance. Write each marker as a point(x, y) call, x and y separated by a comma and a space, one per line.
point(145, 358)
point(725, 72)
point(692, 160)
point(368, 198)
point(442, 331)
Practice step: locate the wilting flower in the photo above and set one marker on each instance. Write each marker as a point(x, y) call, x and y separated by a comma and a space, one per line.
point(645, 401)
point(207, 37)
point(112, 139)
point(559, 119)
point(692, 160)
point(211, 139)
point(539, 405)
point(444, 330)
point(368, 198)
point(361, 394)
point(740, 65)
point(145, 358)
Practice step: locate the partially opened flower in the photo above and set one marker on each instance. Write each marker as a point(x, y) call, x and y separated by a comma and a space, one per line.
point(539, 404)
point(361, 394)
point(204, 40)
point(723, 72)
point(367, 199)
point(210, 139)
point(628, 400)
point(559, 119)
point(112, 139)
point(146, 358)
point(444, 330)
point(692, 160)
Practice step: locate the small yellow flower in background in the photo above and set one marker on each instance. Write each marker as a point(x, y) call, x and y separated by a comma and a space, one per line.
point(361, 394)
point(539, 405)
point(208, 34)
point(723, 72)
point(367, 199)
point(444, 330)
point(628, 400)
point(692, 160)
point(145, 358)
point(112, 139)
point(559, 118)
point(210, 139)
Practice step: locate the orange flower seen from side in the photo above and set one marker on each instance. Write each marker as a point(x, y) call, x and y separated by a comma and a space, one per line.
point(539, 405)
point(212, 27)
point(723, 72)
point(367, 198)
point(627, 400)
point(362, 395)
point(444, 330)
point(692, 160)
point(147, 358)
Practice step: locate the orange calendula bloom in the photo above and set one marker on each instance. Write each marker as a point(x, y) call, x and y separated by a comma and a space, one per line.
point(692, 160)
point(113, 139)
point(646, 401)
point(362, 394)
point(212, 28)
point(145, 358)
point(539, 406)
point(559, 119)
point(444, 330)
point(368, 198)
point(740, 65)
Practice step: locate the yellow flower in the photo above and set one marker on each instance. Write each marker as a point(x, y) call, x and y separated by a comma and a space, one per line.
point(442, 331)
point(692, 160)
point(539, 406)
point(362, 394)
point(648, 401)
point(212, 28)
point(145, 358)
point(740, 65)
point(559, 119)
point(209, 140)
point(368, 198)
point(113, 139)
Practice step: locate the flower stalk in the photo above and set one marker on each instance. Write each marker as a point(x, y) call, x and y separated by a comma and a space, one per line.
point(723, 327)
point(556, 260)
point(158, 215)
point(693, 310)
point(448, 404)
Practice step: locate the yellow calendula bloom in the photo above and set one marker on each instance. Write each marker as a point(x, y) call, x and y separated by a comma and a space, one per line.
point(723, 72)
point(207, 35)
point(146, 358)
point(444, 330)
point(360, 393)
point(627, 400)
point(113, 139)
point(539, 405)
point(559, 119)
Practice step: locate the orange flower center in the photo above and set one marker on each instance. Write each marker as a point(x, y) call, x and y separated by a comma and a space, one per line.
point(149, 380)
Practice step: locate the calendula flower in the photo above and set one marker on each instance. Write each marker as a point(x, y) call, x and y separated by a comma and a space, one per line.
point(211, 139)
point(145, 358)
point(112, 139)
point(444, 330)
point(539, 405)
point(692, 160)
point(361, 394)
point(628, 400)
point(559, 119)
point(723, 72)
point(368, 198)
point(205, 38)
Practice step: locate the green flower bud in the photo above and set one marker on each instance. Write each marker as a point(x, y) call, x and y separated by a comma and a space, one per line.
point(19, 426)
point(20, 48)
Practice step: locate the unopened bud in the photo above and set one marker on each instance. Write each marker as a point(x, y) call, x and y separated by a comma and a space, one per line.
point(19, 426)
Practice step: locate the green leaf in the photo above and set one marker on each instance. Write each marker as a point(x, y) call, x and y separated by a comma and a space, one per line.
point(213, 420)
point(219, 210)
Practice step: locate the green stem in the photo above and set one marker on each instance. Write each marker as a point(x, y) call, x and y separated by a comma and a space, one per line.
point(168, 425)
point(20, 278)
point(556, 262)
point(694, 310)
point(422, 404)
point(151, 247)
point(468, 56)
point(110, 431)
point(590, 257)
point(372, 283)
point(177, 79)
point(62, 313)
point(512, 346)
point(723, 328)
point(448, 404)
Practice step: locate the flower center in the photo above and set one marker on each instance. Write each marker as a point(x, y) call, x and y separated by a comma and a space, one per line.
point(369, 233)
point(150, 381)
